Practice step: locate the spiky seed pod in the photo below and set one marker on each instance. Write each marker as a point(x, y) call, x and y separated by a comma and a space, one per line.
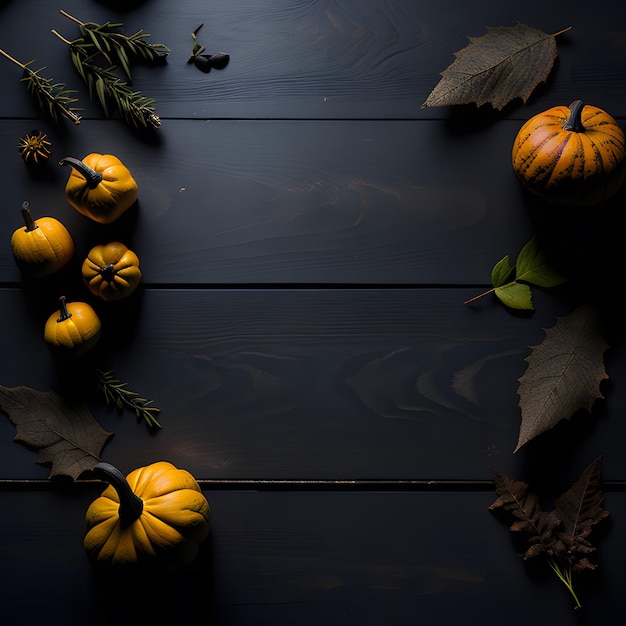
point(34, 147)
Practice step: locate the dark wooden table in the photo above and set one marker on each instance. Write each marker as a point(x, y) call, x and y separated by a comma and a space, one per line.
point(308, 236)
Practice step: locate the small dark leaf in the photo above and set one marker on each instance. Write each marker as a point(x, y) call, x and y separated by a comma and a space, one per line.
point(203, 63)
point(219, 60)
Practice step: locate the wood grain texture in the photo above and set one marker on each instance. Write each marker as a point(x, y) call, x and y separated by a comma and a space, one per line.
point(317, 384)
point(280, 558)
point(271, 202)
point(308, 237)
point(324, 59)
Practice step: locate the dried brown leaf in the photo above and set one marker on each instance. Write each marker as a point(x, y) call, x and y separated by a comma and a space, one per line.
point(67, 437)
point(528, 520)
point(504, 64)
point(563, 375)
point(580, 508)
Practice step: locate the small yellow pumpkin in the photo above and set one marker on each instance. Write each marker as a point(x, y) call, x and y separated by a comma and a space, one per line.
point(571, 155)
point(73, 329)
point(43, 246)
point(111, 271)
point(100, 187)
point(157, 513)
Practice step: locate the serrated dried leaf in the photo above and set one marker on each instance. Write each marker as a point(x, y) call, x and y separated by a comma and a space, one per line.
point(535, 526)
point(580, 508)
point(67, 437)
point(504, 64)
point(563, 375)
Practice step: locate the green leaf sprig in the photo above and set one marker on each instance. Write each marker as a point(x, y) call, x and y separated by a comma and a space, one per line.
point(51, 96)
point(511, 284)
point(109, 89)
point(116, 393)
point(116, 47)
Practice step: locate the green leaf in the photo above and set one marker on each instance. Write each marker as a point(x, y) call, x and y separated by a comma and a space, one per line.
point(501, 272)
point(515, 295)
point(532, 267)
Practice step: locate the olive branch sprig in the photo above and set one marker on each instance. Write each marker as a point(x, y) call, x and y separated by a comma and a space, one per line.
point(115, 393)
point(51, 96)
point(103, 83)
point(116, 47)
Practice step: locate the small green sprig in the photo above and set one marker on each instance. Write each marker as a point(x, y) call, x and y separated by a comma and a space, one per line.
point(103, 84)
point(52, 97)
point(115, 393)
point(116, 47)
point(511, 283)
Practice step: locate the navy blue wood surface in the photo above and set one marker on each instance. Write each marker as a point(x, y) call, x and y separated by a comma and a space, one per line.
point(308, 236)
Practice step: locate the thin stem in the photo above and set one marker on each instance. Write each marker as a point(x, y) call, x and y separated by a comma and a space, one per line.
point(565, 576)
point(63, 39)
point(562, 31)
point(480, 295)
point(8, 56)
point(62, 12)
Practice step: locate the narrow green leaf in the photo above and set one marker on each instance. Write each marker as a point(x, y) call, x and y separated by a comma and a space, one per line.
point(516, 296)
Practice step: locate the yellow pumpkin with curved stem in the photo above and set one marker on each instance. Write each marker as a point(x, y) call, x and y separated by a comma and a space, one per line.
point(111, 271)
point(73, 329)
point(43, 246)
point(155, 513)
point(571, 155)
point(100, 187)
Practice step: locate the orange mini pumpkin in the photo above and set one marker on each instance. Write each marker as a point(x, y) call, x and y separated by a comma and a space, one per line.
point(157, 514)
point(43, 246)
point(100, 187)
point(73, 329)
point(571, 155)
point(111, 271)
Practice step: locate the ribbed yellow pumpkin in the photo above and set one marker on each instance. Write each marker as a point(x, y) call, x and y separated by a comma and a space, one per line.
point(572, 155)
point(72, 330)
point(155, 514)
point(42, 246)
point(100, 187)
point(111, 271)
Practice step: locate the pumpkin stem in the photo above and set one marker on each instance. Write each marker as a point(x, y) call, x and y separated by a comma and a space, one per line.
point(64, 313)
point(92, 177)
point(108, 273)
point(574, 121)
point(28, 218)
point(131, 505)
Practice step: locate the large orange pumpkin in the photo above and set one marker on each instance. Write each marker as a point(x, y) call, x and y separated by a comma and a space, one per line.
point(571, 155)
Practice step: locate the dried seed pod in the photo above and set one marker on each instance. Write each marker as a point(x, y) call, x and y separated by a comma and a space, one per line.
point(219, 60)
point(202, 62)
point(34, 147)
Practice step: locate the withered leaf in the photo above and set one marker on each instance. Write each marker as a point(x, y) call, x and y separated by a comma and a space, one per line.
point(504, 64)
point(564, 373)
point(560, 535)
point(67, 437)
point(579, 509)
point(530, 521)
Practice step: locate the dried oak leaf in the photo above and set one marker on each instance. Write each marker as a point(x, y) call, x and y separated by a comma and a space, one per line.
point(67, 437)
point(531, 523)
point(507, 62)
point(579, 509)
point(564, 373)
point(562, 534)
